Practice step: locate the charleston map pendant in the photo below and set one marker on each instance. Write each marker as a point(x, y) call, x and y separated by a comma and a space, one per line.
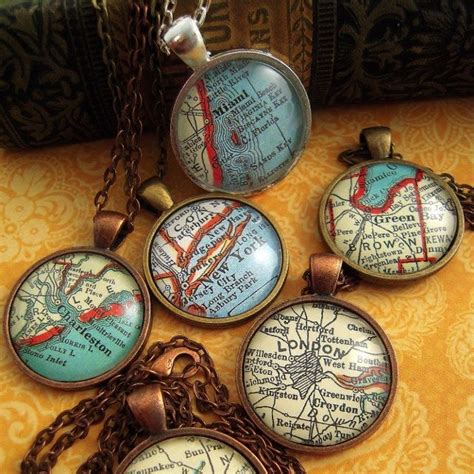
point(317, 374)
point(191, 450)
point(215, 259)
point(391, 220)
point(241, 121)
point(77, 318)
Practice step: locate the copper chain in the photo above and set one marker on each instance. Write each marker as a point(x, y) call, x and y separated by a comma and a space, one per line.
point(464, 192)
point(121, 433)
point(127, 102)
point(159, 109)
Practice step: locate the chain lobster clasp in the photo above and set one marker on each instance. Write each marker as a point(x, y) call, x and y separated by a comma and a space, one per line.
point(146, 402)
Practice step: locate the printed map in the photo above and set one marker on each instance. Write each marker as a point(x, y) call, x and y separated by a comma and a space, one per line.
point(76, 316)
point(391, 218)
point(317, 374)
point(216, 258)
point(240, 127)
point(190, 455)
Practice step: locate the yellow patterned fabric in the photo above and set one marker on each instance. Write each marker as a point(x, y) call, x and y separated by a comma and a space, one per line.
point(46, 205)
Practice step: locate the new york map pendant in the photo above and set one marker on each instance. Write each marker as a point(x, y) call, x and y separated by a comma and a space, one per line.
point(242, 119)
point(316, 373)
point(77, 317)
point(215, 259)
point(389, 219)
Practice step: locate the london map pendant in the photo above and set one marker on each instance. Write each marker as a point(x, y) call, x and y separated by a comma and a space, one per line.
point(242, 119)
point(77, 317)
point(316, 373)
point(192, 450)
point(391, 220)
point(215, 259)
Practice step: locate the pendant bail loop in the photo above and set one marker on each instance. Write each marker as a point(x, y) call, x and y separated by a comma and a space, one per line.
point(154, 195)
point(325, 269)
point(110, 229)
point(185, 39)
point(378, 141)
point(148, 407)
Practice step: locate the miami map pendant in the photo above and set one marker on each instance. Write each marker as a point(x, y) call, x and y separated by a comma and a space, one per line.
point(215, 259)
point(77, 317)
point(316, 373)
point(191, 450)
point(391, 220)
point(242, 119)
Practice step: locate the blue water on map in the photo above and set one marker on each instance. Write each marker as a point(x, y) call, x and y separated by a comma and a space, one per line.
point(257, 121)
point(380, 180)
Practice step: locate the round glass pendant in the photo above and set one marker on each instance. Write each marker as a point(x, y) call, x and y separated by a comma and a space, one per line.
point(317, 374)
point(215, 259)
point(77, 318)
point(241, 122)
point(191, 450)
point(391, 220)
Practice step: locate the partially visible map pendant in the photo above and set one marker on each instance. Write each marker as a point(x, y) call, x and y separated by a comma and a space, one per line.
point(77, 317)
point(390, 219)
point(316, 373)
point(215, 259)
point(191, 450)
point(241, 121)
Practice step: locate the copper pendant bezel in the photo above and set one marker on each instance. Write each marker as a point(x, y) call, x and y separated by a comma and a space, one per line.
point(235, 55)
point(284, 441)
point(387, 277)
point(180, 432)
point(133, 354)
point(205, 321)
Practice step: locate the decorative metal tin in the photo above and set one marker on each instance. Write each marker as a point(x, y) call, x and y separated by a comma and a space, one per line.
point(391, 220)
point(192, 450)
point(242, 119)
point(316, 374)
point(77, 317)
point(215, 259)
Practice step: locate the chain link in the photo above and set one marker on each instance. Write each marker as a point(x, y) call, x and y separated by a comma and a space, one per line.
point(121, 433)
point(110, 55)
point(128, 102)
point(160, 111)
point(168, 9)
point(465, 194)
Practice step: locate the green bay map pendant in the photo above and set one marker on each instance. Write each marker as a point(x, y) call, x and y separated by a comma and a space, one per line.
point(77, 317)
point(316, 373)
point(215, 259)
point(391, 220)
point(241, 121)
point(191, 450)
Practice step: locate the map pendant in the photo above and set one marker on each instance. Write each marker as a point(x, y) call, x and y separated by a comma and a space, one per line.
point(242, 119)
point(391, 220)
point(315, 373)
point(215, 259)
point(77, 317)
point(193, 450)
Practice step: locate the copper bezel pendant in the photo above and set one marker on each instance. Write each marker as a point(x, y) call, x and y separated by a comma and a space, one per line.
point(190, 432)
point(315, 449)
point(133, 353)
point(208, 320)
point(373, 275)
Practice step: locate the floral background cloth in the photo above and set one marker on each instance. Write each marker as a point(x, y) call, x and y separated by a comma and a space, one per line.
point(46, 204)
